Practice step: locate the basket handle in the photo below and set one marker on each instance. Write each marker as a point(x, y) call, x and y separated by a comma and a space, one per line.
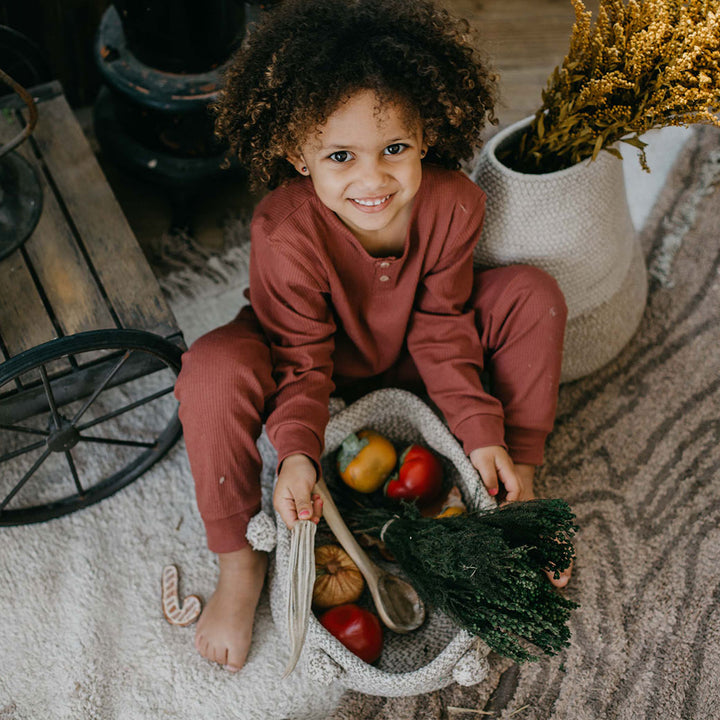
point(472, 667)
point(322, 668)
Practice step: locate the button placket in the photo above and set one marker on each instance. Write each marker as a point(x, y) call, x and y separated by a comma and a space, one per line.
point(383, 272)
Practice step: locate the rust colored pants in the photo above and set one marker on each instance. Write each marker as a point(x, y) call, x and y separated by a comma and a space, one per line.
point(226, 382)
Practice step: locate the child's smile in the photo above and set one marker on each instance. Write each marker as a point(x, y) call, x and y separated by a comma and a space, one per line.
point(366, 165)
point(373, 205)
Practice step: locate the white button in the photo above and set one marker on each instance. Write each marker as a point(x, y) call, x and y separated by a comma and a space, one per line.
point(384, 278)
point(384, 264)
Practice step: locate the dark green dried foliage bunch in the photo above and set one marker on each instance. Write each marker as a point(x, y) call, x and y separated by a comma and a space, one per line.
point(484, 569)
point(643, 64)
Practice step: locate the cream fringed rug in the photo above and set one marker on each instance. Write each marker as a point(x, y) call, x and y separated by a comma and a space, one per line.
point(635, 451)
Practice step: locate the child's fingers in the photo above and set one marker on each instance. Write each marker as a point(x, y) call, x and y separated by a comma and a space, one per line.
point(303, 507)
point(286, 508)
point(488, 474)
point(317, 508)
point(512, 486)
point(490, 481)
point(293, 510)
point(509, 479)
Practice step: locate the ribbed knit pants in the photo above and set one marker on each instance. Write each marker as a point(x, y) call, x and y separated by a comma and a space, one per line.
point(226, 382)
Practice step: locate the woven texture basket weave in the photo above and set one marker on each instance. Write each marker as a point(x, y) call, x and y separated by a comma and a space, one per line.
point(576, 225)
point(436, 654)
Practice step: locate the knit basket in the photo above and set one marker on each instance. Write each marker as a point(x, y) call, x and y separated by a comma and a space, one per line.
point(436, 654)
point(576, 225)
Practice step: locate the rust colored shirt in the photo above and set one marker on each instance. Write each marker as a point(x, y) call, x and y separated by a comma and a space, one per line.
point(330, 309)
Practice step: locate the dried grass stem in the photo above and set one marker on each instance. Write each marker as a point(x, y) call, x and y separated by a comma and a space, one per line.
point(643, 64)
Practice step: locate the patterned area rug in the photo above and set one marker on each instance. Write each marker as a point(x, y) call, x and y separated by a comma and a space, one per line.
point(636, 453)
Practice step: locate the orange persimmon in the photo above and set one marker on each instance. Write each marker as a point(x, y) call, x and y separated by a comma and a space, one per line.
point(365, 460)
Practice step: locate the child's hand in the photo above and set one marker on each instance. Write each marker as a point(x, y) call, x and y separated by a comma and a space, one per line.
point(293, 497)
point(495, 466)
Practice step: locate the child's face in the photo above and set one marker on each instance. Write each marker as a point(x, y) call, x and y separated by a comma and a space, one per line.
point(366, 165)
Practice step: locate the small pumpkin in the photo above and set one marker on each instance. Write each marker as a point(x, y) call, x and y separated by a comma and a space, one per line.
point(365, 460)
point(337, 578)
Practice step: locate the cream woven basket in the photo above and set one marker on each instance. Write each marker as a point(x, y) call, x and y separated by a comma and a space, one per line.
point(576, 225)
point(436, 654)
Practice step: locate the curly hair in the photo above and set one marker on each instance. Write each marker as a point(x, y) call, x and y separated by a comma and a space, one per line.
point(295, 68)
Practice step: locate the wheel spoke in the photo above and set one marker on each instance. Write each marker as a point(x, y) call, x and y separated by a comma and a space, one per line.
point(50, 396)
point(114, 441)
point(21, 451)
point(25, 478)
point(74, 472)
point(125, 408)
point(22, 429)
point(102, 386)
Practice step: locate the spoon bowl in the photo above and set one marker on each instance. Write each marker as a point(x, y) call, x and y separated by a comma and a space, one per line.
point(396, 600)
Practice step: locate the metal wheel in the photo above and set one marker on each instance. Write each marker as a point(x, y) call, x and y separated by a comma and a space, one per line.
point(82, 417)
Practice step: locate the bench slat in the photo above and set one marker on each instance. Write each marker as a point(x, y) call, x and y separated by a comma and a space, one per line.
point(119, 262)
point(20, 300)
point(71, 290)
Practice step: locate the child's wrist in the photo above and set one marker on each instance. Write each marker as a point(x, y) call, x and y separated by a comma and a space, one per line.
point(297, 460)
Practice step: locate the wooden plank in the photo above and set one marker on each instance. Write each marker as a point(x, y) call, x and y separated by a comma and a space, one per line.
point(72, 293)
point(19, 302)
point(118, 259)
point(40, 93)
point(19, 298)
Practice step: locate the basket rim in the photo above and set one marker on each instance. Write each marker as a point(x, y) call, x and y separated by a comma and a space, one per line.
point(488, 156)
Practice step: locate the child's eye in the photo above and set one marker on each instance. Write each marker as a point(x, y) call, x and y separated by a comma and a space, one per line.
point(395, 148)
point(340, 156)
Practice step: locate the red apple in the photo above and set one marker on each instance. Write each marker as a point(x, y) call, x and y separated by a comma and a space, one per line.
point(419, 477)
point(357, 629)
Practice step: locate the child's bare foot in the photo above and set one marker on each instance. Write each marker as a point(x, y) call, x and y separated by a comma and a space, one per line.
point(526, 474)
point(224, 631)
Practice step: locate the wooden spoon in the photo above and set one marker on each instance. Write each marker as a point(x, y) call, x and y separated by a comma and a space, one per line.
point(396, 601)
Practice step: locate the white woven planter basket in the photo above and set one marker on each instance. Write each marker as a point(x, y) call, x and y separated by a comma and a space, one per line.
point(576, 225)
point(436, 654)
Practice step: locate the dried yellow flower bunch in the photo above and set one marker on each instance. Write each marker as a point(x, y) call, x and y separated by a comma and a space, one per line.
point(643, 64)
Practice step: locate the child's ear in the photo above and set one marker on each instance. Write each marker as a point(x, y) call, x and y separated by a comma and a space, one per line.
point(298, 163)
point(423, 150)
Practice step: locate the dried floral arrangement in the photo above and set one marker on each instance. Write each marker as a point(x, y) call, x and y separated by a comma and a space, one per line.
point(643, 64)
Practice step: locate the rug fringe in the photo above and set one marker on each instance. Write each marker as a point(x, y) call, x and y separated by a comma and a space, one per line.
point(683, 220)
point(187, 270)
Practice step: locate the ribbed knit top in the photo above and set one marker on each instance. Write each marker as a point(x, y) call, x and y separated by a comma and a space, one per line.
point(328, 308)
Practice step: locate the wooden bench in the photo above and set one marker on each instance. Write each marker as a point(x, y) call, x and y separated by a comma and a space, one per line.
point(81, 313)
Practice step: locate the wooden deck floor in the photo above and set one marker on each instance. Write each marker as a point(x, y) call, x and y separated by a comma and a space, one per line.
point(524, 40)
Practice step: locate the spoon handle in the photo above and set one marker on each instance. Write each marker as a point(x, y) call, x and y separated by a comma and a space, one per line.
point(396, 601)
point(367, 567)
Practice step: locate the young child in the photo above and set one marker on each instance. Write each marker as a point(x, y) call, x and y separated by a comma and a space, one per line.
point(357, 113)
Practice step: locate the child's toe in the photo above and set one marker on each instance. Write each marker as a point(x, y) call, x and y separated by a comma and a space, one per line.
point(201, 644)
point(218, 655)
point(562, 580)
point(236, 658)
